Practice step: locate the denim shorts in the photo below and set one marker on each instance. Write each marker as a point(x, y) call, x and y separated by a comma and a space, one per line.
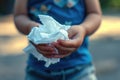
point(86, 72)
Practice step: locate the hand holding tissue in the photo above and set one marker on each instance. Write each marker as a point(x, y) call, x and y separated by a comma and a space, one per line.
point(50, 31)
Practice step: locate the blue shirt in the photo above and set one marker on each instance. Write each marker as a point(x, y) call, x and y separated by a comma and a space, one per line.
point(68, 12)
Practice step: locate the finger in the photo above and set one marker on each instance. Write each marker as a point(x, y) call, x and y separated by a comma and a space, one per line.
point(46, 52)
point(68, 43)
point(45, 48)
point(48, 55)
point(71, 33)
point(73, 43)
point(63, 49)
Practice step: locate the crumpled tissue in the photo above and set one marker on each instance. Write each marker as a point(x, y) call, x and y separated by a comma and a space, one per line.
point(50, 31)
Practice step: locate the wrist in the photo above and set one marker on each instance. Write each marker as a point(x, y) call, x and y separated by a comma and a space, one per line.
point(83, 30)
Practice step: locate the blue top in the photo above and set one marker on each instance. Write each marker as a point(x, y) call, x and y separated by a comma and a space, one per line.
point(69, 12)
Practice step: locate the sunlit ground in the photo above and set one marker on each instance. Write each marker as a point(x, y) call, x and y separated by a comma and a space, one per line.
point(104, 46)
point(11, 41)
point(110, 27)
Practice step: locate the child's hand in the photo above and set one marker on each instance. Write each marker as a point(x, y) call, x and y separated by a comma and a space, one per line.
point(45, 49)
point(66, 47)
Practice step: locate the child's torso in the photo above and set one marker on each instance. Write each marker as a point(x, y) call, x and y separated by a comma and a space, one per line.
point(69, 12)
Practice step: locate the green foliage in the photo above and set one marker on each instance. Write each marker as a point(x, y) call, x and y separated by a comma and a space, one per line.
point(110, 4)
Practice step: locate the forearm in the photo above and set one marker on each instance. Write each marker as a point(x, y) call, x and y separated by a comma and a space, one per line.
point(24, 24)
point(91, 23)
point(93, 18)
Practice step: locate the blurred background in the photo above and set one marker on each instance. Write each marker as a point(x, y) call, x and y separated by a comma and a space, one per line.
point(104, 46)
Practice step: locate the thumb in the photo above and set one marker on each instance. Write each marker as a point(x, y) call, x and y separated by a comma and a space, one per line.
point(71, 33)
point(72, 43)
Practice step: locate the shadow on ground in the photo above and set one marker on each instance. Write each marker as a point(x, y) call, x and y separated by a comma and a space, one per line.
point(12, 67)
point(106, 56)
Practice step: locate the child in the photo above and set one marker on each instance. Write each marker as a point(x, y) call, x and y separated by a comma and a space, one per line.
point(76, 62)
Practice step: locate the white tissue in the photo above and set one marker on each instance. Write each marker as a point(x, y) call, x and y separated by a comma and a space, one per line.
point(47, 33)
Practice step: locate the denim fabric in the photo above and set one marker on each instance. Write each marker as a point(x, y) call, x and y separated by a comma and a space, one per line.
point(86, 72)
